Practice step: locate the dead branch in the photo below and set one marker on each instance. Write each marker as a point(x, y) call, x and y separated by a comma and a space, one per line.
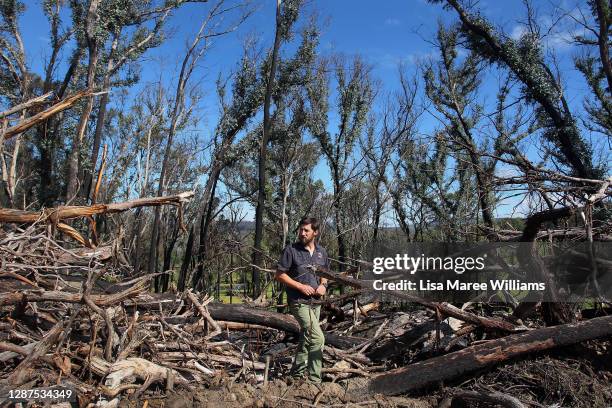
point(443, 307)
point(62, 105)
point(32, 102)
point(54, 215)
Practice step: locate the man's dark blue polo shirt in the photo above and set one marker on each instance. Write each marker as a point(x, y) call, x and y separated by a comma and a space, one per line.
point(294, 261)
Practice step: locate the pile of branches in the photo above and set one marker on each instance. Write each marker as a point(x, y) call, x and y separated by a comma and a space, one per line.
point(80, 319)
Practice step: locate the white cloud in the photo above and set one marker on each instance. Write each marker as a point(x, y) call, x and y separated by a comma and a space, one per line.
point(391, 61)
point(518, 31)
point(559, 41)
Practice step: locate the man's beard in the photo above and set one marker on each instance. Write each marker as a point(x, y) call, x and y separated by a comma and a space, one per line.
point(306, 241)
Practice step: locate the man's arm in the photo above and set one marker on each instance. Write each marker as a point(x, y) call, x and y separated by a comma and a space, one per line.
point(322, 288)
point(283, 277)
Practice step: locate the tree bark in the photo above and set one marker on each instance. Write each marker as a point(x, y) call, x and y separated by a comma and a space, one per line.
point(186, 261)
point(74, 162)
point(100, 119)
point(42, 116)
point(209, 196)
point(68, 212)
point(242, 314)
point(263, 148)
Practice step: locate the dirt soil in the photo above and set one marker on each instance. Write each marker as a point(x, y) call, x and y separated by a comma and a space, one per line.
point(578, 377)
point(278, 394)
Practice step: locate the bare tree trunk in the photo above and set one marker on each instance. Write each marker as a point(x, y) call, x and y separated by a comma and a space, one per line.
point(100, 120)
point(338, 221)
point(401, 215)
point(377, 212)
point(9, 173)
point(263, 148)
point(205, 219)
point(77, 140)
point(286, 187)
point(186, 261)
point(48, 137)
point(160, 187)
point(189, 61)
point(12, 175)
point(170, 243)
point(74, 158)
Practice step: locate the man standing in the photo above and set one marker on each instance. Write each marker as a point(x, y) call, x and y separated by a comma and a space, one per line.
point(296, 269)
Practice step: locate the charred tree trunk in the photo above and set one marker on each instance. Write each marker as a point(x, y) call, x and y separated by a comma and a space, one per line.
point(263, 149)
point(186, 261)
point(72, 187)
point(47, 135)
point(169, 247)
point(338, 220)
point(236, 313)
point(100, 119)
point(205, 220)
point(377, 212)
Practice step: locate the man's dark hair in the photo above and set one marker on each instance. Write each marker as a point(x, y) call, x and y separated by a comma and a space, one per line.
point(314, 223)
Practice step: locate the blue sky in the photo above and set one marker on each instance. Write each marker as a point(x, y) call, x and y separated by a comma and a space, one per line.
point(384, 33)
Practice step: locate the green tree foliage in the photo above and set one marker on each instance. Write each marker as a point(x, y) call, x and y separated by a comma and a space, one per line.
point(355, 93)
point(525, 60)
point(453, 88)
point(594, 63)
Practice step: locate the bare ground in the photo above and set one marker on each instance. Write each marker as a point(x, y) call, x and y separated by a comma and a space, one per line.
point(577, 377)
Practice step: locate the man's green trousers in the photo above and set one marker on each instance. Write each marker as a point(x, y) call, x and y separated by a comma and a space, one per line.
point(309, 353)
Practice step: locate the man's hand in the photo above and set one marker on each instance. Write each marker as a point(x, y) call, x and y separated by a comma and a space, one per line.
point(307, 290)
point(321, 290)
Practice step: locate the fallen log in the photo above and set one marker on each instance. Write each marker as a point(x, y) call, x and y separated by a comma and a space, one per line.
point(55, 215)
point(21, 372)
point(127, 370)
point(251, 315)
point(14, 298)
point(224, 325)
point(265, 319)
point(450, 366)
point(491, 398)
point(241, 314)
point(229, 360)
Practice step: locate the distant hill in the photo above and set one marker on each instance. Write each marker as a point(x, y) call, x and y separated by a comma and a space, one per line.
point(249, 226)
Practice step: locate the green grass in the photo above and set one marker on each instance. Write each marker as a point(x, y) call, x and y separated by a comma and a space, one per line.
point(236, 299)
